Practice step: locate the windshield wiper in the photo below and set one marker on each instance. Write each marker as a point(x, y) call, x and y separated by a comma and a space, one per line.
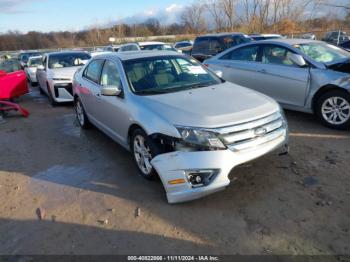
point(201, 85)
point(151, 92)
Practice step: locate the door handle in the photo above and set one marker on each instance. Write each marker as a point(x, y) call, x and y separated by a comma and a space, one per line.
point(263, 71)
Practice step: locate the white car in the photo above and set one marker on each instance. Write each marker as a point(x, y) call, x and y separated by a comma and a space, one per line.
point(149, 46)
point(56, 73)
point(30, 68)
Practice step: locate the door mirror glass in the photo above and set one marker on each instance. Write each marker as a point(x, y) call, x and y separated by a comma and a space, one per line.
point(111, 91)
point(297, 59)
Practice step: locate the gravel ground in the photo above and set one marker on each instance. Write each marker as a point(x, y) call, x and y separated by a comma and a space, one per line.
point(91, 200)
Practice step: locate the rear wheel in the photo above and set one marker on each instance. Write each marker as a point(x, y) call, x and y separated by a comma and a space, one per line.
point(81, 115)
point(333, 109)
point(143, 152)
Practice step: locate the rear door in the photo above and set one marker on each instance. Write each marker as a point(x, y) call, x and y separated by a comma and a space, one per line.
point(90, 88)
point(239, 65)
point(278, 77)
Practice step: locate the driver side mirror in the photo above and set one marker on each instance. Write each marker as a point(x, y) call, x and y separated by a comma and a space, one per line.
point(111, 91)
point(297, 59)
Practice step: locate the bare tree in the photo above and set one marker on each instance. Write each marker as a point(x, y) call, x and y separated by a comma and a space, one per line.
point(215, 9)
point(192, 17)
point(229, 10)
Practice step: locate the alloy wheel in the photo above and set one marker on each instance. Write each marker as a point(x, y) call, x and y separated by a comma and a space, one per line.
point(336, 110)
point(80, 113)
point(142, 155)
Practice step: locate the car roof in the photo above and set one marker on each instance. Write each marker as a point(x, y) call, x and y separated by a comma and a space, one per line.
point(221, 34)
point(35, 57)
point(267, 35)
point(289, 41)
point(150, 43)
point(130, 55)
point(67, 52)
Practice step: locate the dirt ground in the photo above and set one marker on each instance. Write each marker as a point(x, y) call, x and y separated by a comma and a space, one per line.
point(94, 202)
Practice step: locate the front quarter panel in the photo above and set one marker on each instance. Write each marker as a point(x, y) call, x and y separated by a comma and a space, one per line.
point(325, 77)
point(150, 121)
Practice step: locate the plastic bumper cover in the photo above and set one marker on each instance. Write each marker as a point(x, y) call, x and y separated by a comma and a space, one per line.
point(173, 166)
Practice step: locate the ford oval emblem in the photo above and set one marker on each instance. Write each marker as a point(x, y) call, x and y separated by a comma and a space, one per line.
point(260, 131)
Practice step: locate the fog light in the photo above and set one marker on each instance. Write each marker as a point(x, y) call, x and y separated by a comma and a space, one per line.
point(201, 178)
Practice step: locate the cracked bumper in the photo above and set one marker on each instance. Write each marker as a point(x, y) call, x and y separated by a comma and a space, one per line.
point(173, 166)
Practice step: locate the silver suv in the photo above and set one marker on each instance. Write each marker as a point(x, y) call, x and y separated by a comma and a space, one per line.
point(179, 120)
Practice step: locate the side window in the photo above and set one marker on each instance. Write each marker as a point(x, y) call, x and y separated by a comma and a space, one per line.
point(133, 48)
point(201, 45)
point(124, 48)
point(247, 53)
point(93, 70)
point(278, 55)
point(110, 75)
point(215, 46)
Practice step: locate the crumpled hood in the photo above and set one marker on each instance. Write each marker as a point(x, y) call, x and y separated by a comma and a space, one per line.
point(210, 107)
point(64, 73)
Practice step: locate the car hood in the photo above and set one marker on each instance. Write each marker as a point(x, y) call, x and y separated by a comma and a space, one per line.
point(64, 73)
point(340, 66)
point(210, 107)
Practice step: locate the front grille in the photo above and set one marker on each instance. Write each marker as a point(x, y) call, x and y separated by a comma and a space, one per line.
point(251, 134)
point(68, 87)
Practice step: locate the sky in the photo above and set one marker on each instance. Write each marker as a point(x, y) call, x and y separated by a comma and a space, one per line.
point(74, 15)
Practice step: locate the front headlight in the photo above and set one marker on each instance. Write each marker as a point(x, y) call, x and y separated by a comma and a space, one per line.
point(200, 137)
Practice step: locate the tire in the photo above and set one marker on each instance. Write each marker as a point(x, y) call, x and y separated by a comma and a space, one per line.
point(82, 118)
point(50, 96)
point(333, 109)
point(143, 164)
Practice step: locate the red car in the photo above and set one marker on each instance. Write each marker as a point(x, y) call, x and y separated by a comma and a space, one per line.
point(13, 83)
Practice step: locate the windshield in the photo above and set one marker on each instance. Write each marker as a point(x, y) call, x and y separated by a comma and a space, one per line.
point(68, 60)
point(164, 74)
point(10, 66)
point(34, 62)
point(24, 57)
point(153, 47)
point(323, 52)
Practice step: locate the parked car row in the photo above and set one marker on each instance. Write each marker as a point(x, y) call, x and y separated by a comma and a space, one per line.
point(191, 123)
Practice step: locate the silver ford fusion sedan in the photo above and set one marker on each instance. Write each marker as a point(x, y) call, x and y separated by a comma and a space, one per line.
point(302, 75)
point(179, 120)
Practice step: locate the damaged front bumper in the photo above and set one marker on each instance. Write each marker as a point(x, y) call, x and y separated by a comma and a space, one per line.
point(176, 168)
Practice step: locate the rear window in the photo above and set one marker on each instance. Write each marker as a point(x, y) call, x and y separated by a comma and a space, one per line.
point(68, 60)
point(229, 41)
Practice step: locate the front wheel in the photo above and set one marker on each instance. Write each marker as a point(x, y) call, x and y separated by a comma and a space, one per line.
point(141, 149)
point(333, 109)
